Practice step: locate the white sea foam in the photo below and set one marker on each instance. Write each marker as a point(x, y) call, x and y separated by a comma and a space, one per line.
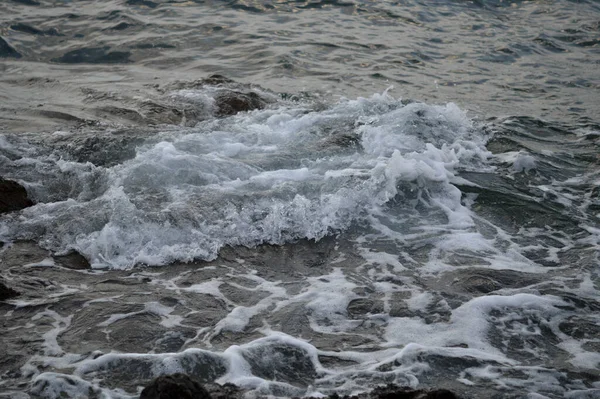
point(263, 177)
point(521, 161)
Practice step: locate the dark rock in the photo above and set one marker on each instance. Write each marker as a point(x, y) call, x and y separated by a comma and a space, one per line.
point(216, 80)
point(482, 284)
point(7, 293)
point(73, 261)
point(159, 113)
point(232, 102)
point(441, 394)
point(226, 391)
point(7, 51)
point(392, 391)
point(358, 308)
point(94, 55)
point(176, 386)
point(395, 392)
point(102, 150)
point(483, 281)
point(344, 140)
point(12, 196)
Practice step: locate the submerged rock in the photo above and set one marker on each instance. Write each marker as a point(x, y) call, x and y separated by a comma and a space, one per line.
point(358, 308)
point(216, 79)
point(392, 391)
point(176, 386)
point(395, 392)
point(344, 140)
point(230, 97)
point(232, 102)
point(7, 292)
point(13, 196)
point(74, 261)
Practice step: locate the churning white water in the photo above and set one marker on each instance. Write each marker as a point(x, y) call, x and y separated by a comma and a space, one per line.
point(269, 176)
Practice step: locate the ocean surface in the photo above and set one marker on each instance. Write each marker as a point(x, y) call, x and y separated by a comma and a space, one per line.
point(413, 198)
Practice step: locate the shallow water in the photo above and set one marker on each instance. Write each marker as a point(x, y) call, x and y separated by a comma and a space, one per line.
point(415, 203)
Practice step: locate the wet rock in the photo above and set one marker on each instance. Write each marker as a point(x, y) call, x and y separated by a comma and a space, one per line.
point(477, 281)
point(395, 392)
point(229, 97)
point(216, 79)
point(344, 140)
point(398, 306)
point(13, 196)
point(481, 284)
point(231, 102)
point(441, 394)
point(155, 113)
point(6, 50)
point(226, 391)
point(147, 113)
point(7, 292)
point(176, 386)
point(94, 55)
point(358, 308)
point(102, 149)
point(73, 261)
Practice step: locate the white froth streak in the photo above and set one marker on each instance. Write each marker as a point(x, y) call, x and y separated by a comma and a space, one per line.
point(469, 323)
point(59, 324)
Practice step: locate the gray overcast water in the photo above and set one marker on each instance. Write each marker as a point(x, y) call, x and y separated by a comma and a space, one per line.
point(410, 195)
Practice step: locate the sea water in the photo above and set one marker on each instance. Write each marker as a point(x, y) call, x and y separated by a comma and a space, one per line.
point(415, 203)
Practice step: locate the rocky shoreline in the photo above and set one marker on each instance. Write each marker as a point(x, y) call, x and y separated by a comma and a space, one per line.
point(182, 386)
